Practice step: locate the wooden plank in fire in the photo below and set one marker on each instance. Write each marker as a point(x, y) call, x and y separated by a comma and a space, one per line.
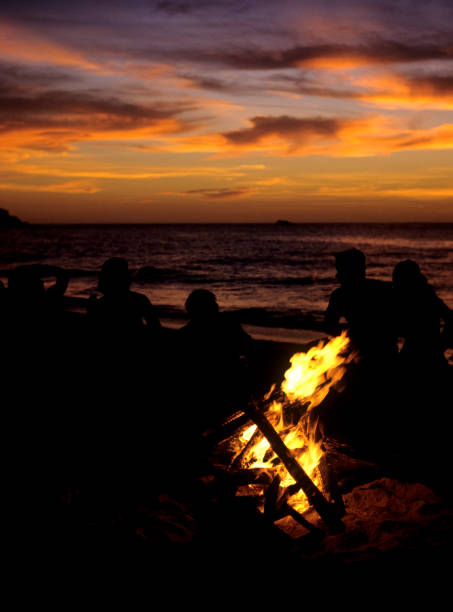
point(325, 510)
point(275, 508)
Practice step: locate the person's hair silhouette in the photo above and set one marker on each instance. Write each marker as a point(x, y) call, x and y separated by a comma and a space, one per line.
point(350, 265)
point(201, 304)
point(114, 277)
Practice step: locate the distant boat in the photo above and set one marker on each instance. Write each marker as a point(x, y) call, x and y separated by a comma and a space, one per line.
point(283, 222)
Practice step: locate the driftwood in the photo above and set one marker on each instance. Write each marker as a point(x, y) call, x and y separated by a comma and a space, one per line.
point(325, 510)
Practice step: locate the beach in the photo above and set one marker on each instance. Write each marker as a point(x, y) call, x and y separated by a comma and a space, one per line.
point(121, 446)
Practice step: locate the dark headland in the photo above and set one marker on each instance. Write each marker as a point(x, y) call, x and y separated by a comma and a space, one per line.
point(7, 220)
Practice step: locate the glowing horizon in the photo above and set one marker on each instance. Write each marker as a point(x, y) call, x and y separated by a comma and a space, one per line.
point(179, 111)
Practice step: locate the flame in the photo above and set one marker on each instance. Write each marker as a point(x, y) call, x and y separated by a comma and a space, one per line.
point(306, 384)
point(313, 373)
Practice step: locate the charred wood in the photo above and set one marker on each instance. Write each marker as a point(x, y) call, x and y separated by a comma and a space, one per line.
point(237, 461)
point(325, 510)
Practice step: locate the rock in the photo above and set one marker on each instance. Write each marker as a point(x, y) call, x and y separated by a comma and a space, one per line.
point(7, 220)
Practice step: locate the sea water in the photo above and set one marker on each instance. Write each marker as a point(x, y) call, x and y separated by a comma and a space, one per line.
point(272, 276)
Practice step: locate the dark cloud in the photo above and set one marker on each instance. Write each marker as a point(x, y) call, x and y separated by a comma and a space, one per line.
point(18, 77)
point(218, 194)
point(208, 82)
point(435, 85)
point(53, 109)
point(440, 85)
point(285, 127)
point(306, 86)
point(379, 52)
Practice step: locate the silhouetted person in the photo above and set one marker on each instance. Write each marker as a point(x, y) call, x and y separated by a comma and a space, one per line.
point(366, 305)
point(34, 341)
point(121, 312)
point(125, 361)
point(27, 293)
point(363, 410)
point(213, 347)
point(426, 390)
point(33, 315)
point(420, 313)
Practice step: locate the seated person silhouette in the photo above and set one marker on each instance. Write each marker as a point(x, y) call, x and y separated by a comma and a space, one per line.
point(420, 313)
point(34, 341)
point(121, 313)
point(123, 369)
point(126, 333)
point(31, 309)
point(213, 347)
point(366, 305)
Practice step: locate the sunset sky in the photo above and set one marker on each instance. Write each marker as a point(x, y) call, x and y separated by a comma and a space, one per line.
point(228, 111)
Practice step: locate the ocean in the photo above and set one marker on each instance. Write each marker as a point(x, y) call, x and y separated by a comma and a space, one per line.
point(276, 278)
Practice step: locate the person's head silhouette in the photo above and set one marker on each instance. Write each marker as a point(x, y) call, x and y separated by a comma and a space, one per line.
point(114, 277)
point(350, 266)
point(25, 283)
point(407, 275)
point(201, 305)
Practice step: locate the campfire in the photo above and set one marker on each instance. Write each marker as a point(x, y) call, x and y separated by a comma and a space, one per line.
point(283, 448)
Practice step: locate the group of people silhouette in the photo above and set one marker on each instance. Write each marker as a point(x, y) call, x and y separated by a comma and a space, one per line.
point(401, 330)
point(111, 393)
point(378, 312)
point(108, 410)
point(125, 335)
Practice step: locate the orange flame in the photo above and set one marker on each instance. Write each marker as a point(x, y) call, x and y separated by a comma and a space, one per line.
point(306, 384)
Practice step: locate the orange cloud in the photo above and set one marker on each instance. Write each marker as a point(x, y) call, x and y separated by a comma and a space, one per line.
point(19, 43)
point(158, 173)
point(69, 187)
point(393, 91)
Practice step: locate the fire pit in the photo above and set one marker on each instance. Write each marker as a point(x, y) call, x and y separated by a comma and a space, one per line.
point(283, 449)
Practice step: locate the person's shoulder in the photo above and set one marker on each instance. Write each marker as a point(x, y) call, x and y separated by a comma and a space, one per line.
point(139, 298)
point(337, 296)
point(231, 325)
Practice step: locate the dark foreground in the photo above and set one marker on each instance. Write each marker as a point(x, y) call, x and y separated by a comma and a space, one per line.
point(113, 465)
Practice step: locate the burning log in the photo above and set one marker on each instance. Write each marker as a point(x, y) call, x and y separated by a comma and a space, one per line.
point(226, 428)
point(325, 510)
point(250, 444)
point(276, 509)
